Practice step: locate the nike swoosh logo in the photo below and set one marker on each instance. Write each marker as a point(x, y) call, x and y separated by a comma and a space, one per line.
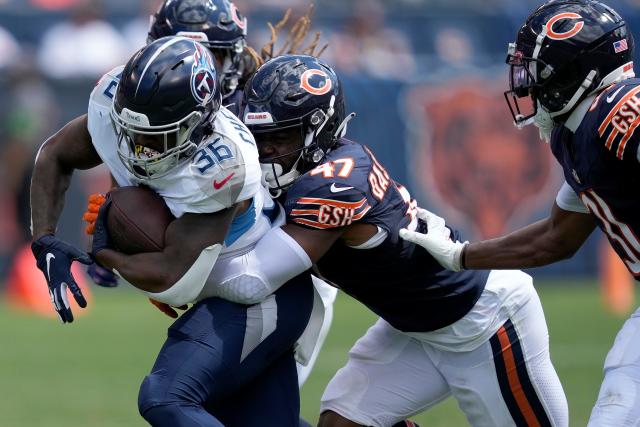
point(50, 256)
point(335, 189)
point(218, 185)
point(611, 97)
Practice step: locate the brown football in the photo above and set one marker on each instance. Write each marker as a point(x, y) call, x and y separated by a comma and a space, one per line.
point(137, 220)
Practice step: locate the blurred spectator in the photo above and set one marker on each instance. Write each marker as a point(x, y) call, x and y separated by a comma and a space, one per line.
point(135, 31)
point(31, 118)
point(83, 46)
point(9, 49)
point(367, 46)
point(54, 4)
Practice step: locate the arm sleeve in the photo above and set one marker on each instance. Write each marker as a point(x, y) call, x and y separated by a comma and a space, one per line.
point(189, 286)
point(250, 278)
point(321, 204)
point(568, 200)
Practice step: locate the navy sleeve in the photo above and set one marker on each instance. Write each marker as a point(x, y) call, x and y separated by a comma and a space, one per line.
point(618, 119)
point(317, 203)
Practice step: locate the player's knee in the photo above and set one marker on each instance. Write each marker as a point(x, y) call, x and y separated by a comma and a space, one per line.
point(152, 394)
point(333, 419)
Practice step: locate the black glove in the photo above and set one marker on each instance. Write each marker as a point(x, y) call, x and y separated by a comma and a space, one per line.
point(101, 239)
point(102, 276)
point(54, 258)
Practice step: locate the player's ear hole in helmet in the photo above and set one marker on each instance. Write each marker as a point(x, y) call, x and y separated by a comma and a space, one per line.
point(217, 24)
point(164, 105)
point(294, 106)
point(564, 52)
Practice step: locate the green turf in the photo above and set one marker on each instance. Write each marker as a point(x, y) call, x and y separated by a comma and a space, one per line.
point(87, 373)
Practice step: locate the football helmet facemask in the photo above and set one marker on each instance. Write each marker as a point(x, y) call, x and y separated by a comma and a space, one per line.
point(565, 51)
point(217, 24)
point(164, 105)
point(295, 91)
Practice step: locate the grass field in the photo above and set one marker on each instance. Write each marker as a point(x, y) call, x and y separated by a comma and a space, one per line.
point(88, 373)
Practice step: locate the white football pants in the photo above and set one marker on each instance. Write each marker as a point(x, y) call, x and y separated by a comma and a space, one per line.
point(506, 379)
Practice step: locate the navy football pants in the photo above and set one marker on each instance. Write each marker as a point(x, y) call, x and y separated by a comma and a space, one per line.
point(230, 364)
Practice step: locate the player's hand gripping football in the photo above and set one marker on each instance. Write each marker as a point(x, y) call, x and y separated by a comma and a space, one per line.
point(437, 241)
point(54, 258)
point(100, 275)
point(101, 238)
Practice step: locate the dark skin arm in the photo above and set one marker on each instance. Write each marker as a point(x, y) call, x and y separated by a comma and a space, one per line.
point(552, 239)
point(69, 149)
point(158, 271)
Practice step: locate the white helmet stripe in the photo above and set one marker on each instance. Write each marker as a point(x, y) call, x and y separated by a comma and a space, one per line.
point(155, 55)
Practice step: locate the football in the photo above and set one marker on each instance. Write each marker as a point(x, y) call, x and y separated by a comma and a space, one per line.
point(137, 220)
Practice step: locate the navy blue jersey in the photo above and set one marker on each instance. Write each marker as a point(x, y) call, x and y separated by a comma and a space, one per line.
point(600, 163)
point(233, 102)
point(396, 279)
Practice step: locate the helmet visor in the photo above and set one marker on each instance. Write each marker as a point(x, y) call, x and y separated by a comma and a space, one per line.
point(522, 84)
point(153, 151)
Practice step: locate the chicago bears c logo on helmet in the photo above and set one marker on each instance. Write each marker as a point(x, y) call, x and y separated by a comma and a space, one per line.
point(235, 15)
point(305, 82)
point(203, 81)
point(567, 34)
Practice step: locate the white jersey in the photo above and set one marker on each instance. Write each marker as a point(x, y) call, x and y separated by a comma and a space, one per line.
point(224, 171)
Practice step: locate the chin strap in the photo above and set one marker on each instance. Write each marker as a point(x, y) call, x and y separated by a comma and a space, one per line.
point(342, 129)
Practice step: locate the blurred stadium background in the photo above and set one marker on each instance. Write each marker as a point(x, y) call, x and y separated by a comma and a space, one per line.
point(426, 78)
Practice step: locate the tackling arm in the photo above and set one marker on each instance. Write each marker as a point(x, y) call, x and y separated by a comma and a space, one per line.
point(279, 256)
point(552, 239)
point(555, 238)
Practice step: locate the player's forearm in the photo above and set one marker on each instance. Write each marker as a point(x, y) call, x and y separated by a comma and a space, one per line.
point(151, 272)
point(49, 184)
point(532, 246)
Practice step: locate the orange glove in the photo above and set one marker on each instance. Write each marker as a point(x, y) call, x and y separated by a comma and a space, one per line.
point(167, 309)
point(95, 201)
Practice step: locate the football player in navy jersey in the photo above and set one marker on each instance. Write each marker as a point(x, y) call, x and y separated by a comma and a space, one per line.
point(479, 336)
point(573, 60)
point(219, 26)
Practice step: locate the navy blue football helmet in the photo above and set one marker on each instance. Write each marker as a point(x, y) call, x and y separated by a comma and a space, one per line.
point(296, 91)
point(216, 24)
point(168, 95)
point(565, 51)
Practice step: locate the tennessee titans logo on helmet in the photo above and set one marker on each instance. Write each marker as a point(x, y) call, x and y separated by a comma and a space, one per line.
point(203, 75)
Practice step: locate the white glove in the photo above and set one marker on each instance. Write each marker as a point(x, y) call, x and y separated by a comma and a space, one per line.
point(437, 241)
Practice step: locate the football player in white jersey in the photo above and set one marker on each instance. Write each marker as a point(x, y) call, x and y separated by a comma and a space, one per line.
point(219, 26)
point(158, 122)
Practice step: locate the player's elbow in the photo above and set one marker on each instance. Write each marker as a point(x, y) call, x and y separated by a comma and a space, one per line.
point(245, 289)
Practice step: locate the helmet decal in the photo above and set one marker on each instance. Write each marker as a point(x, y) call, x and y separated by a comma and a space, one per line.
point(306, 84)
point(198, 36)
point(567, 34)
point(620, 46)
point(235, 15)
point(203, 79)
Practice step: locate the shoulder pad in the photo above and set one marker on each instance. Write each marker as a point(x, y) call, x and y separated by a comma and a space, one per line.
point(616, 112)
point(105, 89)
